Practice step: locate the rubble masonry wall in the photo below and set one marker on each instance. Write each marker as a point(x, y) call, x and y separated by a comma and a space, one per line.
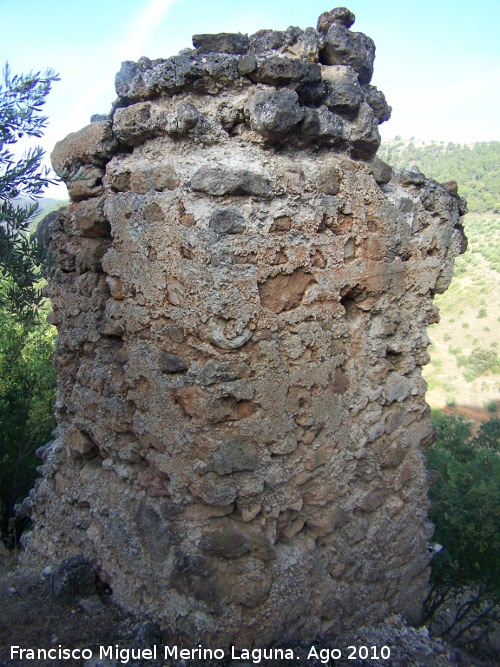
point(241, 306)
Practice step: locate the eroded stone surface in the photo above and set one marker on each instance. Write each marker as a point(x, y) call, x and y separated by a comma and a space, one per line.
point(241, 310)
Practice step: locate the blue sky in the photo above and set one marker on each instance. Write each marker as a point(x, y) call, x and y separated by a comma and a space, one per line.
point(438, 62)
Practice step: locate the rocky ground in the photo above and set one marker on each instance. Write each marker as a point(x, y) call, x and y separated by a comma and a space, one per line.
point(33, 614)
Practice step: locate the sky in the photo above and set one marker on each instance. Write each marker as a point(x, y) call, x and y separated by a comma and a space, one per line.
point(437, 61)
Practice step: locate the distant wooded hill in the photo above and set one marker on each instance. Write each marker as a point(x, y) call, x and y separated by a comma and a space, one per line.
point(476, 167)
point(45, 205)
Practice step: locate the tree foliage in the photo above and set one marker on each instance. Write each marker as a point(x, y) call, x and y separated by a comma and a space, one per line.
point(27, 386)
point(22, 180)
point(466, 511)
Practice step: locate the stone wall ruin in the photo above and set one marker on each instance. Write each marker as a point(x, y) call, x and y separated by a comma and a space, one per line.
point(242, 303)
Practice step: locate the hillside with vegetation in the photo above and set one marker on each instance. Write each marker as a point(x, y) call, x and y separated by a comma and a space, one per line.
point(464, 373)
point(476, 167)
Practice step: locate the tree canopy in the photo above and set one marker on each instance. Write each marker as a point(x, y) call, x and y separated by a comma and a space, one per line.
point(22, 180)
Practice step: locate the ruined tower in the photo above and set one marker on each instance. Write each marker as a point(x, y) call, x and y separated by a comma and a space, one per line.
point(242, 303)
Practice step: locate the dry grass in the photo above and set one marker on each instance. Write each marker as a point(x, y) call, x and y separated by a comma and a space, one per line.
point(470, 319)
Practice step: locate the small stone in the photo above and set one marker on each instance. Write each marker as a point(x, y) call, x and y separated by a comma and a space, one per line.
point(79, 442)
point(218, 67)
point(119, 181)
point(175, 294)
point(284, 291)
point(154, 213)
point(343, 47)
point(267, 40)
point(93, 144)
point(284, 71)
point(285, 445)
point(364, 134)
point(73, 578)
point(329, 181)
point(90, 219)
point(340, 15)
point(376, 99)
point(323, 124)
point(85, 183)
point(215, 489)
point(89, 257)
point(185, 118)
point(396, 388)
point(451, 187)
point(172, 363)
point(129, 81)
point(329, 125)
point(249, 513)
point(294, 528)
point(462, 210)
point(188, 117)
point(372, 500)
point(394, 505)
point(163, 177)
point(325, 521)
point(224, 42)
point(306, 46)
point(227, 221)
point(201, 512)
point(176, 334)
point(274, 113)
point(281, 224)
point(226, 542)
point(112, 328)
point(174, 73)
point(221, 181)
point(92, 605)
point(134, 124)
point(223, 371)
point(155, 483)
point(343, 92)
point(234, 455)
point(247, 64)
point(381, 171)
point(130, 453)
point(412, 176)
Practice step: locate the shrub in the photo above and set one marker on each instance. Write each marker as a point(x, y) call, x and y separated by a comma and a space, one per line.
point(469, 375)
point(466, 511)
point(27, 387)
point(481, 360)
